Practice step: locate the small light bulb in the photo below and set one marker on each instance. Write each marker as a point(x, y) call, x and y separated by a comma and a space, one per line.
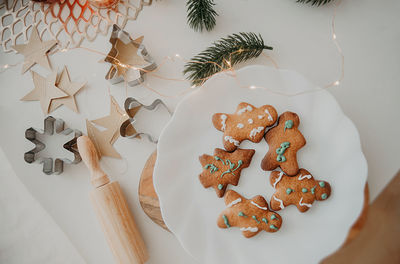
point(6, 66)
point(336, 83)
point(252, 87)
point(334, 36)
point(177, 55)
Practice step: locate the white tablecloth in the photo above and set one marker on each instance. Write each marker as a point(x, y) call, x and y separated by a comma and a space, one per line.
point(368, 31)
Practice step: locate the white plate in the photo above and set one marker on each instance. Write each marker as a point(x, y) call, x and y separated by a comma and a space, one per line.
point(332, 153)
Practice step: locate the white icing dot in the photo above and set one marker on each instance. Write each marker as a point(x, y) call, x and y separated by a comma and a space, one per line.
point(250, 121)
point(240, 125)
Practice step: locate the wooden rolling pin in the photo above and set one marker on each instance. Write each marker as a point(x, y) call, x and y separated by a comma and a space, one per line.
point(111, 208)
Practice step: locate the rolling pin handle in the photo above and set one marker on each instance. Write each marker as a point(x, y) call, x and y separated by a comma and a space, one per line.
point(90, 157)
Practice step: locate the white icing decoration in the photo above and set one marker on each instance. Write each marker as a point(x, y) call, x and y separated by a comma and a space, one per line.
point(280, 201)
point(232, 140)
point(304, 204)
point(251, 229)
point(244, 109)
point(255, 131)
point(269, 115)
point(240, 125)
point(263, 208)
point(260, 116)
point(301, 177)
point(250, 121)
point(223, 120)
point(238, 200)
point(278, 179)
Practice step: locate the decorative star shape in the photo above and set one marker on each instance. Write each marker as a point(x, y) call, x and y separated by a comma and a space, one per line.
point(224, 168)
point(115, 119)
point(35, 51)
point(70, 88)
point(102, 141)
point(300, 190)
point(251, 215)
point(45, 90)
point(248, 122)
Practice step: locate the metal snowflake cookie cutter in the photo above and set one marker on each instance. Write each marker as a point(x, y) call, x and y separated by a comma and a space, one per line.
point(129, 58)
point(131, 107)
point(52, 124)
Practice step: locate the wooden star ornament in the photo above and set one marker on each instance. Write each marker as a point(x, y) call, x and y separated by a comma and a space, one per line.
point(115, 119)
point(35, 51)
point(70, 88)
point(45, 90)
point(102, 141)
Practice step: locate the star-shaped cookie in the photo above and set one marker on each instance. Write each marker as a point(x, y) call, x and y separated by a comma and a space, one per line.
point(35, 51)
point(45, 90)
point(70, 88)
point(300, 190)
point(224, 168)
point(251, 215)
point(102, 141)
point(248, 122)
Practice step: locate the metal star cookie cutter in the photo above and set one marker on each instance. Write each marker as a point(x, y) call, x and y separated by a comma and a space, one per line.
point(52, 124)
point(132, 103)
point(122, 68)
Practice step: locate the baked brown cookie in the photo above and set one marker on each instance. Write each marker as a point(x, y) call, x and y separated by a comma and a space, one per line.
point(251, 215)
point(301, 190)
point(284, 141)
point(224, 168)
point(248, 122)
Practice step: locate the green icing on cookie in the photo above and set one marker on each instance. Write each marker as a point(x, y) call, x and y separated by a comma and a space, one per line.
point(273, 227)
point(324, 196)
point(289, 191)
point(322, 184)
point(304, 190)
point(255, 218)
point(242, 214)
point(313, 189)
point(218, 158)
point(220, 186)
point(226, 221)
point(288, 124)
point(212, 168)
point(264, 220)
point(273, 217)
point(280, 151)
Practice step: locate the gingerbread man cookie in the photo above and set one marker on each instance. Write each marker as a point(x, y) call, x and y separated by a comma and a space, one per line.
point(248, 122)
point(224, 168)
point(251, 216)
point(301, 190)
point(284, 141)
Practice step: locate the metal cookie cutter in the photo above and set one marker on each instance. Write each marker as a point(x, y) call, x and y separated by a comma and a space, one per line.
point(52, 124)
point(131, 104)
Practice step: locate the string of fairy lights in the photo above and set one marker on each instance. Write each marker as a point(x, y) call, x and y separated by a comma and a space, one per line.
point(227, 68)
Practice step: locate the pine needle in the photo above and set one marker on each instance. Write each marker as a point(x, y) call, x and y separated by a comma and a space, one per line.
point(201, 14)
point(315, 2)
point(222, 55)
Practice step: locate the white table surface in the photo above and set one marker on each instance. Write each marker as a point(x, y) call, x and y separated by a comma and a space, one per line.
point(368, 31)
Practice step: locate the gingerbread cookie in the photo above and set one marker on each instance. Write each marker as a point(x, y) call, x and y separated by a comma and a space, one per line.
point(224, 168)
point(251, 216)
point(248, 122)
point(284, 141)
point(301, 190)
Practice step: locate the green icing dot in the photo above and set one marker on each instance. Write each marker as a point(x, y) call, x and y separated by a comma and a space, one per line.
point(288, 124)
point(285, 144)
point(289, 191)
point(281, 158)
point(220, 186)
point(226, 221)
point(324, 196)
point(304, 190)
point(322, 184)
point(242, 214)
point(273, 227)
point(264, 220)
point(255, 218)
point(313, 189)
point(273, 217)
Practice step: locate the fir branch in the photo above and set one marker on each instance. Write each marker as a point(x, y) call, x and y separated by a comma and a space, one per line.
point(315, 2)
point(201, 14)
point(222, 55)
